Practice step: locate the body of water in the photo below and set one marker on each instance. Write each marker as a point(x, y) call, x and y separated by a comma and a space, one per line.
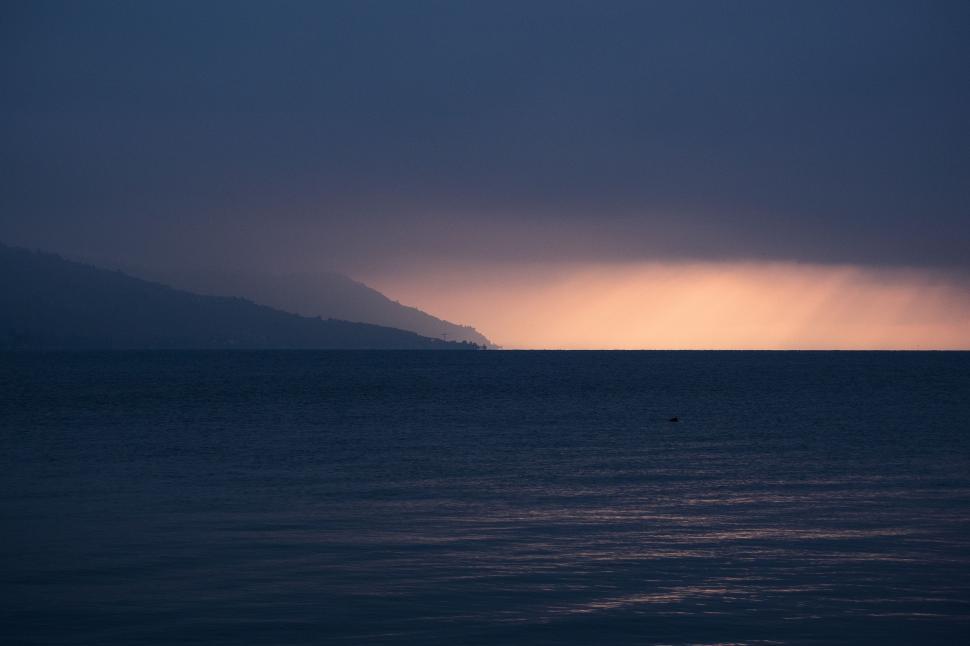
point(484, 498)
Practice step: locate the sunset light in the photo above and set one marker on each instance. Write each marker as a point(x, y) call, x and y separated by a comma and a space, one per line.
point(698, 305)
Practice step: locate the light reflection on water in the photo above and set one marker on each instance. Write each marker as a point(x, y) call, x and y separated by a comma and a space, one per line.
point(490, 498)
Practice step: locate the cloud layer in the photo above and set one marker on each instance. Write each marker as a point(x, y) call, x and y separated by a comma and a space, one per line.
point(355, 132)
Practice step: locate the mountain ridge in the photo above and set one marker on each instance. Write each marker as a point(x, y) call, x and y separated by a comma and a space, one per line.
point(328, 294)
point(48, 302)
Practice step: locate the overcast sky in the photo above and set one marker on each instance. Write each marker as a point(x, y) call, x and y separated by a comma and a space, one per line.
point(365, 134)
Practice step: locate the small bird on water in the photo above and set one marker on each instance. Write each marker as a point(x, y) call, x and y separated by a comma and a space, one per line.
point(674, 419)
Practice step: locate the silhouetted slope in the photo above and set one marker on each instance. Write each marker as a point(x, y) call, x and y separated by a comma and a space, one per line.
point(49, 302)
point(326, 294)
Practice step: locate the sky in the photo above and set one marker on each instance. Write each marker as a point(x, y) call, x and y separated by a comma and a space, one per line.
point(478, 159)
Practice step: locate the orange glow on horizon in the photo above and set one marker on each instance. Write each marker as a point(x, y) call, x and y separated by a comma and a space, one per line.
point(695, 305)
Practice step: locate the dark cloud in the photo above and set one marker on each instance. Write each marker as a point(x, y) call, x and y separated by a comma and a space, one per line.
point(356, 132)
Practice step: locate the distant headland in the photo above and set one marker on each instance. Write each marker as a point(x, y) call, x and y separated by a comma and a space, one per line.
point(48, 303)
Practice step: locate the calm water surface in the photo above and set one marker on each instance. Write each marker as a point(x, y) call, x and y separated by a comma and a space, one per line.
point(484, 498)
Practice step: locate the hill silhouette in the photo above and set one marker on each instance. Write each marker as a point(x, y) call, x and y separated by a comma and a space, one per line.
point(324, 294)
point(47, 302)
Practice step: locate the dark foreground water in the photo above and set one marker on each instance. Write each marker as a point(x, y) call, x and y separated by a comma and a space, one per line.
point(484, 498)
